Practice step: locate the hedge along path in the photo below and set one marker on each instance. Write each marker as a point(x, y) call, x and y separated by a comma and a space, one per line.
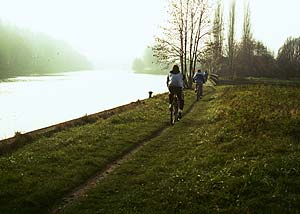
point(82, 190)
point(38, 175)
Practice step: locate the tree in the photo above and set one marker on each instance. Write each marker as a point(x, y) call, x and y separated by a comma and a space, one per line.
point(213, 57)
point(246, 50)
point(25, 53)
point(138, 65)
point(263, 61)
point(288, 57)
point(231, 41)
point(183, 37)
point(148, 63)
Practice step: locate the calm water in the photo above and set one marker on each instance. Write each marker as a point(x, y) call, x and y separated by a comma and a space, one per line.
point(29, 103)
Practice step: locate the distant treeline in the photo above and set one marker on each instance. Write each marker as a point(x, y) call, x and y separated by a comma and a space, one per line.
point(148, 64)
point(247, 57)
point(24, 53)
point(194, 39)
point(288, 57)
point(258, 61)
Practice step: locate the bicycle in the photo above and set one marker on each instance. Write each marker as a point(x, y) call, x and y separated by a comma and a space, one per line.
point(198, 91)
point(174, 110)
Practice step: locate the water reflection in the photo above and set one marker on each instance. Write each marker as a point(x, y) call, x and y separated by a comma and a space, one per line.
point(29, 103)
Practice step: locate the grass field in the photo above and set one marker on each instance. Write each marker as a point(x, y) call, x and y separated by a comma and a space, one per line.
point(237, 151)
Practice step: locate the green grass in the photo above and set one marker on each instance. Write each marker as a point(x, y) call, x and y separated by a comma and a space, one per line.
point(262, 80)
point(38, 175)
point(237, 152)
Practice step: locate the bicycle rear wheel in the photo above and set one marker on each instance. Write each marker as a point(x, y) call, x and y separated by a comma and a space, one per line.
point(174, 111)
point(198, 94)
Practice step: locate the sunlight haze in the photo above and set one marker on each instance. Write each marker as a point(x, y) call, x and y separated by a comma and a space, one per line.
point(105, 31)
point(115, 32)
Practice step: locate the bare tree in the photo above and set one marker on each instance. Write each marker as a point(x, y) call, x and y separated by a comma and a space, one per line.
point(213, 57)
point(246, 52)
point(289, 58)
point(247, 34)
point(184, 35)
point(218, 37)
point(231, 41)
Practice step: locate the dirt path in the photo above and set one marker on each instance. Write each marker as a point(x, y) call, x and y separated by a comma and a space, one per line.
point(82, 190)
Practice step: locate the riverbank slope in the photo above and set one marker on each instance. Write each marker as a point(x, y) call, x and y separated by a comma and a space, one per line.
point(237, 150)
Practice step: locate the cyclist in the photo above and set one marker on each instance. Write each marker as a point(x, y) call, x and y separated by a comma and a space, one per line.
point(199, 79)
point(175, 83)
point(205, 76)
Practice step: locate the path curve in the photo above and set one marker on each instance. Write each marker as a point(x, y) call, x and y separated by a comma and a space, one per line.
point(81, 191)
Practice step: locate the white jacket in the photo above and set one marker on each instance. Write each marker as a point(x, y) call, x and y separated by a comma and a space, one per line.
point(175, 79)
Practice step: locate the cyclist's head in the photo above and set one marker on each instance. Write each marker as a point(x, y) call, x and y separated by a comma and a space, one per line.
point(175, 68)
point(199, 70)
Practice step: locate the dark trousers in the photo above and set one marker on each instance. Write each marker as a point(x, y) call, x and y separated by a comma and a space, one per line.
point(179, 92)
point(199, 86)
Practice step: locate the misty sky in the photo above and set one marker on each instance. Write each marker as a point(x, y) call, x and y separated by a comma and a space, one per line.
point(119, 30)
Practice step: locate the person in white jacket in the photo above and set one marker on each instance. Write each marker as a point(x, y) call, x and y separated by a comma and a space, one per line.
point(175, 83)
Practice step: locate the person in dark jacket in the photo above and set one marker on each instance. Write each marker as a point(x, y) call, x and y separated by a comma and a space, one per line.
point(199, 79)
point(175, 83)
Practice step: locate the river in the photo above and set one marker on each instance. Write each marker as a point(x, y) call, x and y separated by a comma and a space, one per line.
point(30, 103)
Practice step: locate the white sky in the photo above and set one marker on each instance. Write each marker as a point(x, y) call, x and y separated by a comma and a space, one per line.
point(115, 31)
point(111, 31)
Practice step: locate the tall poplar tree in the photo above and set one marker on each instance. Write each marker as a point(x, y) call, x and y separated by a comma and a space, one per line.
point(218, 37)
point(231, 41)
point(246, 52)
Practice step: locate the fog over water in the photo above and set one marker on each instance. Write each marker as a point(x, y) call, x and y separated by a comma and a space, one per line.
point(29, 103)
